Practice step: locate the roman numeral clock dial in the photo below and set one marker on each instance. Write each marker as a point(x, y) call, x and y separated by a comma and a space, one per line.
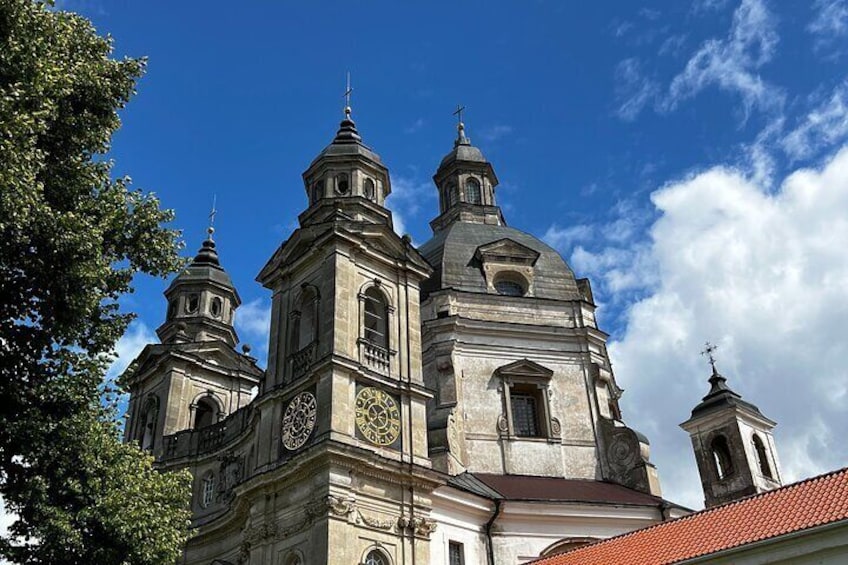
point(377, 416)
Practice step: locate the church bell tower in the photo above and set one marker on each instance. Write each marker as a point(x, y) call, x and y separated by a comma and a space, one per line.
point(733, 443)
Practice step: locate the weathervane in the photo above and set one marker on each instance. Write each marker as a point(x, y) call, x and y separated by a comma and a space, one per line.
point(348, 90)
point(211, 229)
point(708, 351)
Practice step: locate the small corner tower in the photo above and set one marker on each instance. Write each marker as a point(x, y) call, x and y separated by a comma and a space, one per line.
point(733, 443)
point(194, 378)
point(466, 182)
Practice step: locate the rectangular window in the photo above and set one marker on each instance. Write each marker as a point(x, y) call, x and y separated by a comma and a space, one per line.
point(525, 421)
point(456, 553)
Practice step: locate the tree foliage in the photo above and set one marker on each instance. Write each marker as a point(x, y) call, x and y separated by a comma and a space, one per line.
point(71, 239)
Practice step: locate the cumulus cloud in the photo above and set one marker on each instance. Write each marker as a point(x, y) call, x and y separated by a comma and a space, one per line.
point(763, 273)
point(732, 63)
point(406, 200)
point(253, 322)
point(493, 133)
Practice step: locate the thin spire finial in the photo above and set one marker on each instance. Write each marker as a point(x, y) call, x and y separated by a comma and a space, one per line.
point(211, 229)
point(708, 352)
point(347, 93)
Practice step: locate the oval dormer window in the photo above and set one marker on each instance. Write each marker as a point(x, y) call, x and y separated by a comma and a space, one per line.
point(192, 303)
point(510, 284)
point(216, 307)
point(342, 183)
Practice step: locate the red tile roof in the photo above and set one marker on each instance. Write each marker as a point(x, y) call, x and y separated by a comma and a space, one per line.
point(524, 487)
point(806, 504)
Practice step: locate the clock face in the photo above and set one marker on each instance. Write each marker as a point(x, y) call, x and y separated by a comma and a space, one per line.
point(377, 416)
point(299, 420)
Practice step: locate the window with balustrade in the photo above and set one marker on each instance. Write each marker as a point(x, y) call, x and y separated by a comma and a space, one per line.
point(303, 330)
point(374, 338)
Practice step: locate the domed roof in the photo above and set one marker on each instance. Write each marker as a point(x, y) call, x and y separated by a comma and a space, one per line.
point(347, 142)
point(452, 254)
point(205, 267)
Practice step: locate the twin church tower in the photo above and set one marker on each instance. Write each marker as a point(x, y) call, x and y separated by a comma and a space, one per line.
point(447, 404)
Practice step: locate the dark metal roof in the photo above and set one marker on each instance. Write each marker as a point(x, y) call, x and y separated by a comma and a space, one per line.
point(522, 487)
point(204, 267)
point(451, 254)
point(720, 397)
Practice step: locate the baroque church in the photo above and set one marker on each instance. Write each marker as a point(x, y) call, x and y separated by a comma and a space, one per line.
point(452, 403)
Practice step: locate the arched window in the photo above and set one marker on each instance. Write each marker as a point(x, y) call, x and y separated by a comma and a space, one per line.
point(762, 458)
point(192, 303)
point(205, 413)
point(450, 196)
point(317, 190)
point(293, 559)
point(149, 418)
point(304, 324)
point(207, 489)
point(342, 183)
point(216, 307)
point(472, 191)
point(376, 330)
point(369, 190)
point(510, 284)
point(376, 557)
point(721, 457)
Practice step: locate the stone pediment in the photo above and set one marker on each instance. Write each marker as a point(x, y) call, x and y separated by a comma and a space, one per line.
point(524, 369)
point(507, 251)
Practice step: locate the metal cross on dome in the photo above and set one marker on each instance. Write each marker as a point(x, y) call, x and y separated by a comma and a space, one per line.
point(708, 351)
point(346, 95)
point(211, 229)
point(459, 109)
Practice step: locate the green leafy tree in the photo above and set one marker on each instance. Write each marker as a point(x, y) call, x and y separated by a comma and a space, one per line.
point(71, 239)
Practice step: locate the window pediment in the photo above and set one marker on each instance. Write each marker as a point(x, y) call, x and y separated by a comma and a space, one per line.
point(507, 251)
point(525, 370)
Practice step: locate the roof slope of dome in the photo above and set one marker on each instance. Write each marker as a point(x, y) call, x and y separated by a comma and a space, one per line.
point(451, 253)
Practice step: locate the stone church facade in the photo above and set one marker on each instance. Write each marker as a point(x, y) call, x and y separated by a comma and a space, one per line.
point(447, 404)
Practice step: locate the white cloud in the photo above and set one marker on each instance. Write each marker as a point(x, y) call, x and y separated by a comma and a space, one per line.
point(406, 200)
point(823, 126)
point(829, 24)
point(496, 132)
point(633, 90)
point(253, 319)
point(564, 238)
point(765, 275)
point(415, 126)
point(731, 63)
point(129, 346)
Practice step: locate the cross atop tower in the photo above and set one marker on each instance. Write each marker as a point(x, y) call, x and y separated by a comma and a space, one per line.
point(708, 351)
point(346, 96)
point(459, 109)
point(211, 229)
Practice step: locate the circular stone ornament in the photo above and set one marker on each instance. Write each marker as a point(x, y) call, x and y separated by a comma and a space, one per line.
point(377, 416)
point(299, 420)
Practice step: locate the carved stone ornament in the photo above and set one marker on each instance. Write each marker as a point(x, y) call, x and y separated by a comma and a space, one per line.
point(375, 522)
point(503, 425)
point(299, 420)
point(231, 474)
point(556, 428)
point(423, 526)
point(622, 455)
point(338, 506)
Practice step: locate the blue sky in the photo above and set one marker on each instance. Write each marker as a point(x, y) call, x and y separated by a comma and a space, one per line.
point(683, 155)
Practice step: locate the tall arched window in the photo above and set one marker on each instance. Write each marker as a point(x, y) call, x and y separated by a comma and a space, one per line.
point(721, 457)
point(205, 413)
point(472, 191)
point(148, 419)
point(762, 457)
point(450, 195)
point(376, 330)
point(305, 319)
point(369, 190)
